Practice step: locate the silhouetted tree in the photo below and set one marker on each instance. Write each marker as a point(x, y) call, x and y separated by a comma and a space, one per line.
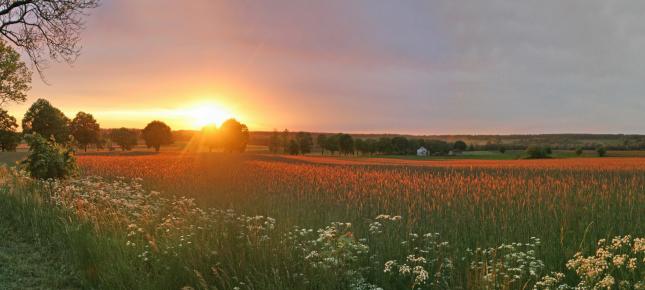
point(156, 134)
point(284, 140)
point(305, 142)
point(346, 144)
point(9, 138)
point(321, 139)
point(384, 145)
point(293, 147)
point(400, 145)
point(332, 143)
point(274, 142)
point(124, 137)
point(44, 27)
point(14, 76)
point(85, 129)
point(46, 120)
point(460, 145)
point(210, 137)
point(234, 136)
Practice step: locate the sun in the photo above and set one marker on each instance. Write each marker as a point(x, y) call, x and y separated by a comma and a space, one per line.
point(207, 113)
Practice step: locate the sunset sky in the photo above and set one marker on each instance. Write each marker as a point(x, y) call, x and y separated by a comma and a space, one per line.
point(425, 67)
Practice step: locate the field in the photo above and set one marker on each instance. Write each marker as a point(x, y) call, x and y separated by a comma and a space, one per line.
point(459, 220)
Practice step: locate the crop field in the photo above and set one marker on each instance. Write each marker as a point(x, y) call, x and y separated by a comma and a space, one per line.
point(255, 221)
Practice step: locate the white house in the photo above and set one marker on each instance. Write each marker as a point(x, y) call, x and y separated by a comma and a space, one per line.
point(422, 151)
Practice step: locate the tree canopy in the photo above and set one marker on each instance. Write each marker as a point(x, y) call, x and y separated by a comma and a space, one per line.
point(46, 120)
point(156, 134)
point(15, 78)
point(124, 137)
point(85, 129)
point(9, 138)
point(234, 136)
point(44, 27)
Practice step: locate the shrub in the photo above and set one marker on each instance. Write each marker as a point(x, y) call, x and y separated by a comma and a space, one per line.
point(579, 151)
point(536, 152)
point(47, 159)
point(602, 151)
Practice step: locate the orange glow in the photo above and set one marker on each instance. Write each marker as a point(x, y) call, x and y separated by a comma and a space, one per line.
point(206, 113)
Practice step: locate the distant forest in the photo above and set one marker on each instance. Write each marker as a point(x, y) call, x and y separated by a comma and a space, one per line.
point(478, 142)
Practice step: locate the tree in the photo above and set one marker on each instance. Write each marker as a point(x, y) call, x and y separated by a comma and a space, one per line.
point(44, 27)
point(332, 143)
point(502, 149)
point(274, 142)
point(234, 136)
point(400, 145)
point(534, 151)
point(46, 120)
point(346, 144)
point(284, 140)
point(305, 142)
point(579, 151)
point(156, 134)
point(210, 137)
point(321, 139)
point(124, 137)
point(602, 151)
point(360, 145)
point(9, 138)
point(14, 76)
point(293, 147)
point(460, 145)
point(85, 129)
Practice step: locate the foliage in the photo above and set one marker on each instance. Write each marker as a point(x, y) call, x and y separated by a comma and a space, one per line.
point(293, 147)
point(460, 145)
point(85, 129)
point(535, 152)
point(15, 78)
point(274, 142)
point(9, 138)
point(321, 140)
point(156, 134)
point(602, 151)
point(46, 120)
point(579, 151)
point(44, 25)
point(305, 142)
point(346, 144)
point(48, 160)
point(234, 136)
point(124, 137)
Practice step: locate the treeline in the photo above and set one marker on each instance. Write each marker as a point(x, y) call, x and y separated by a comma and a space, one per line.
point(84, 131)
point(346, 144)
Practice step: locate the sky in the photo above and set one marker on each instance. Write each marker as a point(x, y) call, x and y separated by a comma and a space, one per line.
point(372, 66)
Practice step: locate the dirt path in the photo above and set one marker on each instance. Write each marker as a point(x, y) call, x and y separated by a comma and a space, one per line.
point(23, 265)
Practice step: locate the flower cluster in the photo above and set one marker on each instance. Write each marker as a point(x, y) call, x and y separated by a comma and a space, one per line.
point(508, 266)
point(427, 265)
point(616, 263)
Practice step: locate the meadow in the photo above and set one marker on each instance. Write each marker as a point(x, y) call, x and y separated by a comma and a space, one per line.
point(255, 221)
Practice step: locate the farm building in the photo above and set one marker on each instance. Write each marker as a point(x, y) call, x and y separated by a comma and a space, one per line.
point(422, 151)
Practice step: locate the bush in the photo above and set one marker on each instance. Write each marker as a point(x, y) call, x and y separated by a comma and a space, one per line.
point(537, 152)
point(602, 151)
point(579, 151)
point(47, 159)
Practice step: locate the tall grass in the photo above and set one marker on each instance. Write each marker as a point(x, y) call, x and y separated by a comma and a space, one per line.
point(335, 227)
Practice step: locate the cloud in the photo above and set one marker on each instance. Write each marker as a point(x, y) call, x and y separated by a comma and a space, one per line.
point(373, 65)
